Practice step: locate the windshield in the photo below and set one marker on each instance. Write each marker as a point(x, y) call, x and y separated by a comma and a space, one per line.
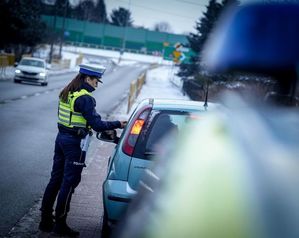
point(35, 63)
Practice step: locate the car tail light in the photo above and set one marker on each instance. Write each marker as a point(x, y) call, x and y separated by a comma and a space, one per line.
point(137, 125)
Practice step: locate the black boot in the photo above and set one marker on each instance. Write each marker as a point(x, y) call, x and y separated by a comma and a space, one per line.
point(62, 229)
point(47, 223)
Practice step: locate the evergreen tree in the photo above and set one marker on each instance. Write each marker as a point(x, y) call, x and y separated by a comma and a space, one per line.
point(71, 12)
point(59, 7)
point(203, 27)
point(197, 41)
point(47, 8)
point(5, 24)
point(84, 11)
point(22, 25)
point(99, 12)
point(121, 17)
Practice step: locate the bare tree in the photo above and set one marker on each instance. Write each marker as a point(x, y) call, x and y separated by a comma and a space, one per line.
point(163, 26)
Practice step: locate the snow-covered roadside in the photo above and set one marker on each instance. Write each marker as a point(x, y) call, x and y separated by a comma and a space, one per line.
point(99, 56)
point(158, 85)
point(114, 55)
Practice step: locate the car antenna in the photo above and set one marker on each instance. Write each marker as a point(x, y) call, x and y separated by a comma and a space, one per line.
point(206, 99)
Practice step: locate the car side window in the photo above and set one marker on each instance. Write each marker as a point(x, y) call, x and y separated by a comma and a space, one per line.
point(163, 126)
point(156, 131)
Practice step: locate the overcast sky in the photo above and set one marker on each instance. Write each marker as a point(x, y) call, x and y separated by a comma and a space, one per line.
point(180, 14)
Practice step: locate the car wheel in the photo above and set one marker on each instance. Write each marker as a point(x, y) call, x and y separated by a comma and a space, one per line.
point(106, 230)
point(44, 84)
point(17, 81)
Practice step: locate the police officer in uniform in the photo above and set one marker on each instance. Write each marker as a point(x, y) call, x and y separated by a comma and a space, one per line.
point(76, 117)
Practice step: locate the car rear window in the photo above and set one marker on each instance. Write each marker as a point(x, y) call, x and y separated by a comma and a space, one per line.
point(157, 130)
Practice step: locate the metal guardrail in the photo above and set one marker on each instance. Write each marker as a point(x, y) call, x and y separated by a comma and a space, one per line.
point(135, 88)
point(61, 64)
point(4, 63)
point(79, 59)
point(7, 60)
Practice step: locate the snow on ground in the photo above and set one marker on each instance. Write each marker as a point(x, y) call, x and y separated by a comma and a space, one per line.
point(70, 56)
point(115, 55)
point(72, 53)
point(158, 85)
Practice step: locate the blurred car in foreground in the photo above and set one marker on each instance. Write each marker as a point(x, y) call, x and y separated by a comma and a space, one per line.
point(223, 178)
point(145, 136)
point(33, 70)
point(236, 170)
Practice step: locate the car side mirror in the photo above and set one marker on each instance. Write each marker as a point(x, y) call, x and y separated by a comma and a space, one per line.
point(49, 66)
point(108, 136)
point(15, 64)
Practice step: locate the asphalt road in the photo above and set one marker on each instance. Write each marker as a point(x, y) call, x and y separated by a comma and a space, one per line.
point(27, 133)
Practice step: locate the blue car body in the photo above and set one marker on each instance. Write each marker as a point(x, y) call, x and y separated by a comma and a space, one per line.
point(129, 159)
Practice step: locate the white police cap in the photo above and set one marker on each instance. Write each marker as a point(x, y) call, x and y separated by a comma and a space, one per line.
point(92, 70)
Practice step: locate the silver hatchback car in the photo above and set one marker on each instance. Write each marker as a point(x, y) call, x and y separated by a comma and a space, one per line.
point(32, 70)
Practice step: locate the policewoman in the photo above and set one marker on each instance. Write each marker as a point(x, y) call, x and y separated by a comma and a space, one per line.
point(76, 117)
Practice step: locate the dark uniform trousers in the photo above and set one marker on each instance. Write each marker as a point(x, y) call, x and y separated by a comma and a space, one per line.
point(68, 163)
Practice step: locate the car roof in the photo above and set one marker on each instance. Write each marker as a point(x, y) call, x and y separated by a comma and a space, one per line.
point(170, 104)
point(33, 58)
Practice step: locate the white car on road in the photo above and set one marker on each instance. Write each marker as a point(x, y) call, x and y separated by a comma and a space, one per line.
point(33, 70)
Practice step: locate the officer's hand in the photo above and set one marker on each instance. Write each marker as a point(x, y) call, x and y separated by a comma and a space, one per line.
point(123, 124)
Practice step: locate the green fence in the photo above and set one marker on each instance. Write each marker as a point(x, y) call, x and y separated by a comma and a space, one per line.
point(83, 33)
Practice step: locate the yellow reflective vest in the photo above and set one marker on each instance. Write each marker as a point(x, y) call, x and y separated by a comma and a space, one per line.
point(66, 113)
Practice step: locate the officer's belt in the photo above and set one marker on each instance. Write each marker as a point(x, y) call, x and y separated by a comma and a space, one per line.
point(80, 132)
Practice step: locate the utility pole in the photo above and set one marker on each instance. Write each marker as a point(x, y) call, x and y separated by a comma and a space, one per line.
point(53, 3)
point(52, 40)
point(122, 50)
point(63, 27)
